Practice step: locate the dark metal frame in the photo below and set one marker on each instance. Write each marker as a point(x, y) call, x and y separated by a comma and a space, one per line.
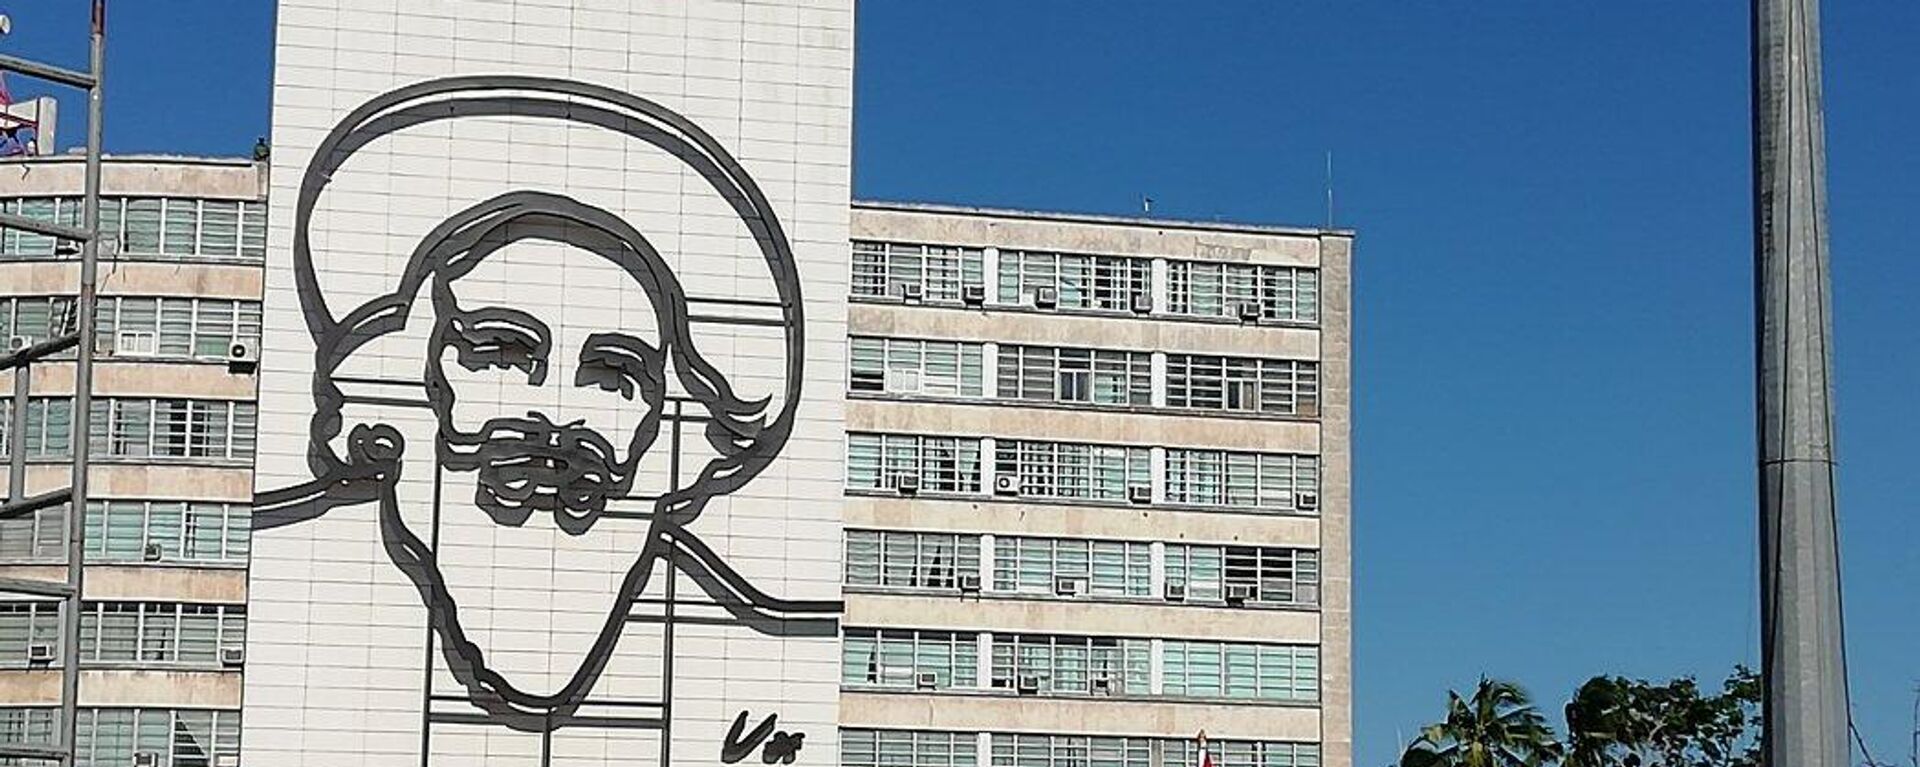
point(20, 362)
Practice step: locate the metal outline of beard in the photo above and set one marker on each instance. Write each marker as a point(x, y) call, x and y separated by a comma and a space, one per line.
point(369, 467)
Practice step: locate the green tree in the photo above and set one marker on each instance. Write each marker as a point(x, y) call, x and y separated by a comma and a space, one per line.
point(1499, 727)
point(1620, 722)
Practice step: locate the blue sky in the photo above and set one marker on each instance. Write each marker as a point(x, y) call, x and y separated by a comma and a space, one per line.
point(1554, 440)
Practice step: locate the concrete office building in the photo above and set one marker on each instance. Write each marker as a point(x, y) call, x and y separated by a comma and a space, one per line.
point(1097, 491)
point(164, 634)
point(1092, 496)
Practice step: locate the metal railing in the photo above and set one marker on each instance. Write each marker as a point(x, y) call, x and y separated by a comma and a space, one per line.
point(21, 360)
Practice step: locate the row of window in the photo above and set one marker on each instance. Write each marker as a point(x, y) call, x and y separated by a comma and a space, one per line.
point(200, 532)
point(145, 633)
point(1078, 567)
point(948, 274)
point(1078, 376)
point(861, 747)
point(112, 737)
point(136, 427)
point(1044, 664)
point(1268, 482)
point(137, 326)
point(146, 227)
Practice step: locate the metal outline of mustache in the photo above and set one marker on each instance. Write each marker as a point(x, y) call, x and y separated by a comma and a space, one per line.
point(371, 467)
point(502, 450)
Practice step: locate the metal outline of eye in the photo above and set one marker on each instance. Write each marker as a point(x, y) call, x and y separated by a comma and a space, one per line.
point(500, 339)
point(617, 362)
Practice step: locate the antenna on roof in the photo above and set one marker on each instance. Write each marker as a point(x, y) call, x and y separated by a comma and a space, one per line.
point(1146, 205)
point(1329, 189)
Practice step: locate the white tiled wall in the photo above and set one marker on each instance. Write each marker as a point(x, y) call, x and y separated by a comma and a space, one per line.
point(336, 665)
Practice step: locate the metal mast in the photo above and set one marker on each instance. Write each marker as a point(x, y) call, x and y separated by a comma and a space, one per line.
point(20, 360)
point(1803, 659)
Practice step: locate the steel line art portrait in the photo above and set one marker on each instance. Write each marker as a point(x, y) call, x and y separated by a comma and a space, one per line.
point(611, 437)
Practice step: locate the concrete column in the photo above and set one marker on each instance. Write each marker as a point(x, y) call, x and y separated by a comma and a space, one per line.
point(986, 562)
point(990, 369)
point(1803, 658)
point(990, 271)
point(1156, 665)
point(984, 663)
point(1159, 286)
point(1157, 374)
point(987, 450)
point(1157, 569)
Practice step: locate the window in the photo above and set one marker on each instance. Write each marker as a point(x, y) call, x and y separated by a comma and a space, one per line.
point(937, 464)
point(146, 227)
point(1071, 567)
point(938, 271)
point(1092, 376)
point(1263, 481)
point(23, 624)
point(910, 560)
point(1070, 751)
point(1240, 753)
point(1069, 665)
point(39, 536)
point(1283, 293)
point(49, 428)
point(172, 428)
point(1071, 471)
point(180, 328)
point(908, 748)
point(1278, 387)
point(110, 737)
point(906, 366)
point(897, 658)
point(167, 531)
point(1241, 671)
point(36, 318)
point(1105, 283)
point(158, 633)
point(1257, 574)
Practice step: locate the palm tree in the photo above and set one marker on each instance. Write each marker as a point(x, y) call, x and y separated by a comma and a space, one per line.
point(1499, 727)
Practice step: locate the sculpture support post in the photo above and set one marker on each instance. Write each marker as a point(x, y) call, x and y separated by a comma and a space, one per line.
point(1804, 663)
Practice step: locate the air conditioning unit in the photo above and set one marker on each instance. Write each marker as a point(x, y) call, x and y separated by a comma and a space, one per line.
point(232, 656)
point(912, 291)
point(146, 759)
point(134, 342)
point(1142, 303)
point(150, 552)
point(1140, 493)
point(39, 652)
point(1175, 591)
point(1046, 298)
point(974, 295)
point(1027, 684)
point(1100, 685)
point(969, 583)
point(242, 355)
point(16, 343)
point(1006, 484)
point(1238, 593)
point(1249, 311)
point(1306, 501)
point(1069, 586)
point(925, 680)
point(907, 484)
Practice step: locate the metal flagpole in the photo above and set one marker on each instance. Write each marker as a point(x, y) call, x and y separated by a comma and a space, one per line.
point(1803, 656)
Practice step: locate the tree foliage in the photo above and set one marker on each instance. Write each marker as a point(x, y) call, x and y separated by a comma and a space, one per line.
point(1498, 727)
point(1611, 722)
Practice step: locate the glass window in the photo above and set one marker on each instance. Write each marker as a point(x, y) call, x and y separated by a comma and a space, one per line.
point(861, 747)
point(1279, 387)
point(143, 227)
point(937, 273)
point(1071, 567)
point(1269, 575)
point(910, 559)
point(904, 658)
point(1258, 481)
point(1023, 750)
point(928, 464)
point(220, 228)
point(906, 366)
point(1104, 283)
point(1071, 471)
point(1090, 376)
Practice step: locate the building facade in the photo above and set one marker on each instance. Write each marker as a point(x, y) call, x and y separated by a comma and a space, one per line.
point(173, 434)
point(1097, 492)
point(1065, 491)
